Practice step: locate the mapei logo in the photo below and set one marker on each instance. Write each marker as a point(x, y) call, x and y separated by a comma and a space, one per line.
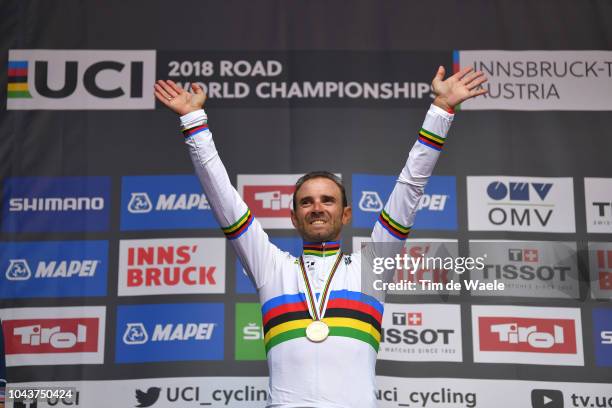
point(64, 335)
point(526, 204)
point(164, 202)
point(168, 266)
point(370, 201)
point(546, 337)
point(136, 333)
point(53, 269)
point(80, 79)
point(169, 332)
point(18, 269)
point(140, 203)
point(437, 206)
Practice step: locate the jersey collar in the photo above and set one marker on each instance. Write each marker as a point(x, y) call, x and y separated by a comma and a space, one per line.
point(321, 249)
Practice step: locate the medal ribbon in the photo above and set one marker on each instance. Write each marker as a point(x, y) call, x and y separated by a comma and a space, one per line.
point(318, 312)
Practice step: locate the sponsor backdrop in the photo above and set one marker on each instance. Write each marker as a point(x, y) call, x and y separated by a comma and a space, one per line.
point(116, 281)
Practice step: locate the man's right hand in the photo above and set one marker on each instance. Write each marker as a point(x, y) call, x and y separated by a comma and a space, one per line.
point(177, 99)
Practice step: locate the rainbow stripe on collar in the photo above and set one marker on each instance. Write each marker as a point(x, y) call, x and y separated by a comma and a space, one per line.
point(430, 139)
point(349, 314)
point(322, 249)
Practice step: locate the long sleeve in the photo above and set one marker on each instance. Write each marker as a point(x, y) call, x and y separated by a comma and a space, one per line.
point(398, 215)
point(249, 240)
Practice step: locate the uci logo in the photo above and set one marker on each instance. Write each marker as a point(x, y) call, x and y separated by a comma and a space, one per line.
point(80, 79)
point(18, 270)
point(140, 203)
point(370, 201)
point(135, 333)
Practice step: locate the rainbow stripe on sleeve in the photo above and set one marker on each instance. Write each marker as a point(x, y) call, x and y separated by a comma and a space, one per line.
point(430, 139)
point(238, 228)
point(195, 130)
point(349, 314)
point(393, 227)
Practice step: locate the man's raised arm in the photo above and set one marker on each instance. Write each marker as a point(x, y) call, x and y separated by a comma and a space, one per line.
point(238, 224)
point(397, 217)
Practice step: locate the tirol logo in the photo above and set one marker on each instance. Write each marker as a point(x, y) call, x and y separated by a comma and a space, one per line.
point(421, 332)
point(69, 335)
point(521, 204)
point(600, 269)
point(602, 335)
point(527, 335)
point(269, 197)
point(528, 269)
point(171, 266)
point(80, 79)
point(437, 207)
point(249, 332)
point(598, 204)
point(169, 332)
point(35, 204)
point(546, 399)
point(53, 269)
point(164, 202)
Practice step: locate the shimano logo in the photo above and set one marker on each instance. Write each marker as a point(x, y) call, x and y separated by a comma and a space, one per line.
point(56, 204)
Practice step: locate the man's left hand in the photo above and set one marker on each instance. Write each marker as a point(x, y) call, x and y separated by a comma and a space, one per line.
point(457, 88)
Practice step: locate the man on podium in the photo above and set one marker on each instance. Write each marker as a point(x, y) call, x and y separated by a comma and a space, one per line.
point(321, 322)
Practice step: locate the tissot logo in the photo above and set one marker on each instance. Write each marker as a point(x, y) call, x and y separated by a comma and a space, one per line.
point(36, 336)
point(421, 333)
point(53, 269)
point(528, 269)
point(167, 266)
point(169, 332)
point(521, 204)
point(80, 79)
point(527, 335)
point(598, 204)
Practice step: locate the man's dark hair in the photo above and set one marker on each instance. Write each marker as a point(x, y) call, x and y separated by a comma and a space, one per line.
point(320, 174)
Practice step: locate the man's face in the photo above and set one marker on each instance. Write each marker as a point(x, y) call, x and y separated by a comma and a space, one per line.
point(319, 214)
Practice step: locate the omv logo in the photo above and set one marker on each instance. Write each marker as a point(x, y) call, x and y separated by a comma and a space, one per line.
point(516, 191)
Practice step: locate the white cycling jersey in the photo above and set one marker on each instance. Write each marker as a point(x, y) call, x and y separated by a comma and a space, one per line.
point(340, 371)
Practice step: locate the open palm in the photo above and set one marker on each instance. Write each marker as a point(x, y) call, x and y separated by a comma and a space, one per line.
point(177, 99)
point(457, 88)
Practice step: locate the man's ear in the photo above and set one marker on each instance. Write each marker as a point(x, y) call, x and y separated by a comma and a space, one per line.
point(293, 219)
point(347, 215)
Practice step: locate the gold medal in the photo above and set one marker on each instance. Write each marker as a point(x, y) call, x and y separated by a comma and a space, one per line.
point(317, 331)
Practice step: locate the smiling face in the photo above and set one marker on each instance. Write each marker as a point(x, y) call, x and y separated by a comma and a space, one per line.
point(319, 214)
